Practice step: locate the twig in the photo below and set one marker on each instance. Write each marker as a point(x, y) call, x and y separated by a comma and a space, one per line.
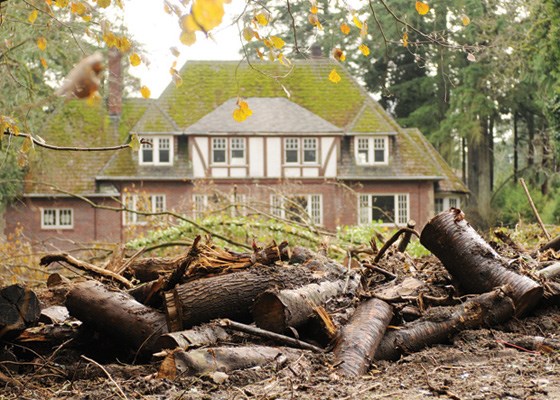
point(50, 258)
point(406, 237)
point(539, 220)
point(392, 240)
point(269, 335)
point(122, 395)
point(178, 273)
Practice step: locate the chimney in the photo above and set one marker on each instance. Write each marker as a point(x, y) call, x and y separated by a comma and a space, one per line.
point(114, 99)
point(316, 51)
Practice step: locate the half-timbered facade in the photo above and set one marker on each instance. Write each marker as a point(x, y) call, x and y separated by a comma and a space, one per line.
point(311, 150)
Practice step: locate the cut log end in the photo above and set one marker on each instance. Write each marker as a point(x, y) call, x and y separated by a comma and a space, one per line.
point(269, 313)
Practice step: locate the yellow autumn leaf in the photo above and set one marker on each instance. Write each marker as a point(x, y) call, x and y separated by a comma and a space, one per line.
point(313, 20)
point(422, 8)
point(466, 20)
point(357, 22)
point(86, 18)
point(145, 92)
point(103, 3)
point(260, 54)
point(208, 13)
point(262, 19)
point(405, 39)
point(42, 43)
point(338, 54)
point(135, 59)
point(27, 144)
point(43, 62)
point(175, 51)
point(33, 16)
point(364, 49)
point(22, 159)
point(277, 42)
point(248, 34)
point(344, 28)
point(93, 99)
point(187, 38)
point(189, 24)
point(110, 39)
point(61, 3)
point(123, 44)
point(177, 80)
point(363, 30)
point(239, 115)
point(134, 142)
point(313, 9)
point(334, 77)
point(78, 8)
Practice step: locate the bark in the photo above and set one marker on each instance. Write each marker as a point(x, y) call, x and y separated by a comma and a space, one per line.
point(54, 315)
point(553, 244)
point(361, 337)
point(479, 170)
point(291, 308)
point(43, 339)
point(316, 262)
point(551, 271)
point(473, 263)
point(198, 336)
point(229, 296)
point(223, 359)
point(441, 323)
point(117, 315)
point(19, 309)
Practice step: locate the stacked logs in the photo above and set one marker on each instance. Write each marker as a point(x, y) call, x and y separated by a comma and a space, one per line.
point(182, 309)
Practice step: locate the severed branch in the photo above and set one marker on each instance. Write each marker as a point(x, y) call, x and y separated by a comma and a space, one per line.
point(535, 211)
point(236, 326)
point(392, 240)
point(178, 273)
point(85, 266)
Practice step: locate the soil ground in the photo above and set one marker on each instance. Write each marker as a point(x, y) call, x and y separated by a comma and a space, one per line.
point(475, 364)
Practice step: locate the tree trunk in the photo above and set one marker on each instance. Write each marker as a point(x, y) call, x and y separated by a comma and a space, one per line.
point(473, 263)
point(229, 296)
point(441, 323)
point(19, 309)
point(480, 171)
point(515, 146)
point(117, 315)
point(361, 337)
point(291, 308)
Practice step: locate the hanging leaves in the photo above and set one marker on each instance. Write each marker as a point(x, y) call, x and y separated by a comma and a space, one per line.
point(364, 49)
point(134, 142)
point(42, 43)
point(145, 92)
point(135, 59)
point(33, 16)
point(8, 124)
point(242, 111)
point(187, 38)
point(422, 8)
point(43, 62)
point(103, 3)
point(466, 20)
point(405, 39)
point(314, 20)
point(61, 3)
point(277, 42)
point(262, 19)
point(78, 8)
point(27, 145)
point(334, 77)
point(344, 28)
point(338, 54)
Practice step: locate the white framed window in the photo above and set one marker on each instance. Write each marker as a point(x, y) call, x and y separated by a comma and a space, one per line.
point(151, 203)
point(298, 207)
point(57, 218)
point(229, 151)
point(445, 203)
point(372, 150)
point(301, 151)
point(156, 150)
point(384, 208)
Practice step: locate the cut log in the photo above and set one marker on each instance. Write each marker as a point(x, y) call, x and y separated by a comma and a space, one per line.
point(19, 309)
point(203, 335)
point(277, 311)
point(553, 244)
point(43, 339)
point(54, 315)
point(223, 359)
point(316, 262)
point(476, 266)
point(229, 296)
point(117, 315)
point(549, 272)
point(361, 336)
point(440, 323)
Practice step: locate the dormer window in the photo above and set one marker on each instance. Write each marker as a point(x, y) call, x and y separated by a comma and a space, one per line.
point(372, 150)
point(156, 150)
point(300, 151)
point(234, 148)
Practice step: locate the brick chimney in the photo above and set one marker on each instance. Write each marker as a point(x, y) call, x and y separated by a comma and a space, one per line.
point(114, 99)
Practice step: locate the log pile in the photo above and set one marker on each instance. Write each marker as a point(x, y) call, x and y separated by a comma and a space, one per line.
point(214, 310)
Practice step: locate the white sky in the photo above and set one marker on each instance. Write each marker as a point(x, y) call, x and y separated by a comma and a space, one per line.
point(149, 24)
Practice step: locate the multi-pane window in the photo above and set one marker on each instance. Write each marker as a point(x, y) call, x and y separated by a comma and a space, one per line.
point(387, 209)
point(142, 203)
point(232, 147)
point(156, 151)
point(301, 150)
point(298, 207)
point(372, 150)
point(445, 203)
point(57, 218)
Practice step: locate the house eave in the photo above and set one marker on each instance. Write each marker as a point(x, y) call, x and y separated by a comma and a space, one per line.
point(391, 178)
point(143, 178)
point(65, 195)
point(267, 133)
point(388, 133)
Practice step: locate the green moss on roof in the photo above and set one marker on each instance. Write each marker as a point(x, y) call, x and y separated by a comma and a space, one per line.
point(370, 121)
point(206, 85)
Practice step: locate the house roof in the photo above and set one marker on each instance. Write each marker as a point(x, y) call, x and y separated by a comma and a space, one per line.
point(270, 115)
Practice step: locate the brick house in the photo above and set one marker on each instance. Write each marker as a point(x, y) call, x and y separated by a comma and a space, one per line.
point(314, 150)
